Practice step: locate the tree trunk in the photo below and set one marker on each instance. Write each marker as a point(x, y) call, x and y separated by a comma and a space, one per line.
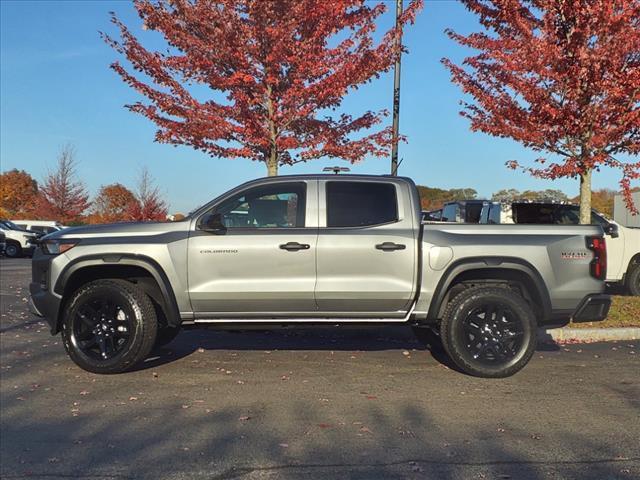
point(585, 197)
point(272, 162)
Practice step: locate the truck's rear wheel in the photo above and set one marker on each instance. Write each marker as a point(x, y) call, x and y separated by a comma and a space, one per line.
point(489, 332)
point(633, 279)
point(109, 326)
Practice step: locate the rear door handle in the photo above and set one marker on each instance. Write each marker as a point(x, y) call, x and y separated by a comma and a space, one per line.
point(390, 246)
point(295, 246)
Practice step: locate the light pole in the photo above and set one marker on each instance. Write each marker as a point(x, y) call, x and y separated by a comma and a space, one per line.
point(396, 92)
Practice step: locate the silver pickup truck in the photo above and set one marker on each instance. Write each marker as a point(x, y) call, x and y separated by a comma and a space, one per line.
point(318, 249)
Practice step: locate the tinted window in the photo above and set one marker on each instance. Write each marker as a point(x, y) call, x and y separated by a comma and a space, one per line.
point(567, 215)
point(532, 213)
point(271, 206)
point(358, 204)
point(472, 212)
point(450, 213)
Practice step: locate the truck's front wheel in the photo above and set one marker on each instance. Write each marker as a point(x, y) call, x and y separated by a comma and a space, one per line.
point(489, 331)
point(109, 326)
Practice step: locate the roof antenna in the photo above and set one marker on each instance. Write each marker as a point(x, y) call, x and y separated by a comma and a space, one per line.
point(336, 170)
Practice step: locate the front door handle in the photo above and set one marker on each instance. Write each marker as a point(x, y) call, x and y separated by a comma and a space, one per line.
point(295, 246)
point(390, 246)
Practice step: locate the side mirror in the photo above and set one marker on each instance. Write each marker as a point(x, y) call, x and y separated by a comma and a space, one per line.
point(611, 229)
point(212, 223)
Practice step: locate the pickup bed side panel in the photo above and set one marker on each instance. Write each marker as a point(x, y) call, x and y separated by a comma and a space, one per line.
point(557, 255)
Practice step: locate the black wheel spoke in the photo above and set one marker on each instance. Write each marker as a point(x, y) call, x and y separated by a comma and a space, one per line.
point(102, 328)
point(492, 333)
point(102, 346)
point(87, 344)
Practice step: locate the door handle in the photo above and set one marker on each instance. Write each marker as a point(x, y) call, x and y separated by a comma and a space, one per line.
point(390, 246)
point(295, 246)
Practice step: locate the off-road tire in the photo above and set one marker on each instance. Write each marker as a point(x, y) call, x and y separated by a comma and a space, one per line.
point(13, 249)
point(466, 302)
point(633, 279)
point(143, 320)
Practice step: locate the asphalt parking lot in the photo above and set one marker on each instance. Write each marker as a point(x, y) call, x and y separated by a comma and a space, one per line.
point(320, 403)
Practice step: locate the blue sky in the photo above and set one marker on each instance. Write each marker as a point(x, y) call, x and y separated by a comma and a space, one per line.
point(56, 88)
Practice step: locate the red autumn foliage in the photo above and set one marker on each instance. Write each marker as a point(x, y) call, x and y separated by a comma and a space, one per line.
point(112, 204)
point(275, 69)
point(18, 193)
point(149, 204)
point(558, 76)
point(61, 196)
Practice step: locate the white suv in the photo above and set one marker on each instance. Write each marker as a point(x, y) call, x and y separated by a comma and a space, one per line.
point(42, 227)
point(19, 242)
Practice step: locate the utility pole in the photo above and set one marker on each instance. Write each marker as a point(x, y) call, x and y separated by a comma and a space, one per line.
point(396, 92)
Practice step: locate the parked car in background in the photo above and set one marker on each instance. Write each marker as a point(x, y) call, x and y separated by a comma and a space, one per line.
point(317, 249)
point(41, 227)
point(3, 243)
point(432, 215)
point(623, 243)
point(19, 241)
point(463, 211)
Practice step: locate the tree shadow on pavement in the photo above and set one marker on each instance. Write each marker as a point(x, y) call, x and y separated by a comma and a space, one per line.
point(261, 440)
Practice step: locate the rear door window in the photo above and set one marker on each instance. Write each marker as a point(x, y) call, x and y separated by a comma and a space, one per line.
point(361, 204)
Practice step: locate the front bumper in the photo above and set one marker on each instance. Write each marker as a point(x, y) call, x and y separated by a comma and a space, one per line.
point(593, 308)
point(43, 302)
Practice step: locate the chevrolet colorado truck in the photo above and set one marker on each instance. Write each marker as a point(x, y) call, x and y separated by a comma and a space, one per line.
point(317, 249)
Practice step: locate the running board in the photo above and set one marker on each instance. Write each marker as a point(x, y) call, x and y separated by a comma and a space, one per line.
point(328, 320)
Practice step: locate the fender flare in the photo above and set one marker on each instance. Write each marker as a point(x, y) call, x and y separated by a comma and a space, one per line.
point(490, 263)
point(135, 260)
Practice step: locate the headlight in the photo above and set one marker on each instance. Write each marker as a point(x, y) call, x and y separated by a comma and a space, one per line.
point(56, 247)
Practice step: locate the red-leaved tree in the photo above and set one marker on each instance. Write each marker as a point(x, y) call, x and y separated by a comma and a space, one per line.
point(112, 204)
point(62, 197)
point(149, 204)
point(275, 70)
point(561, 77)
point(18, 192)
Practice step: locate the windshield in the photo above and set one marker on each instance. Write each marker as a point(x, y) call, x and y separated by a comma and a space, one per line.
point(10, 225)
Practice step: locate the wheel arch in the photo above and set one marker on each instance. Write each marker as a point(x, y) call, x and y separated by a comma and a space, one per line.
point(492, 270)
point(140, 269)
point(635, 260)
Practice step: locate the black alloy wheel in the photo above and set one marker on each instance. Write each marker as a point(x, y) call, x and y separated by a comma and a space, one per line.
point(109, 326)
point(492, 333)
point(489, 331)
point(102, 328)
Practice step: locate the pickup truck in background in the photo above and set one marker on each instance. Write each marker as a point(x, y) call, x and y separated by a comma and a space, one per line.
point(317, 249)
point(18, 241)
point(623, 243)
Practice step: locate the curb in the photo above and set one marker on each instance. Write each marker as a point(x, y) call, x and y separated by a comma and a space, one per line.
point(588, 334)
